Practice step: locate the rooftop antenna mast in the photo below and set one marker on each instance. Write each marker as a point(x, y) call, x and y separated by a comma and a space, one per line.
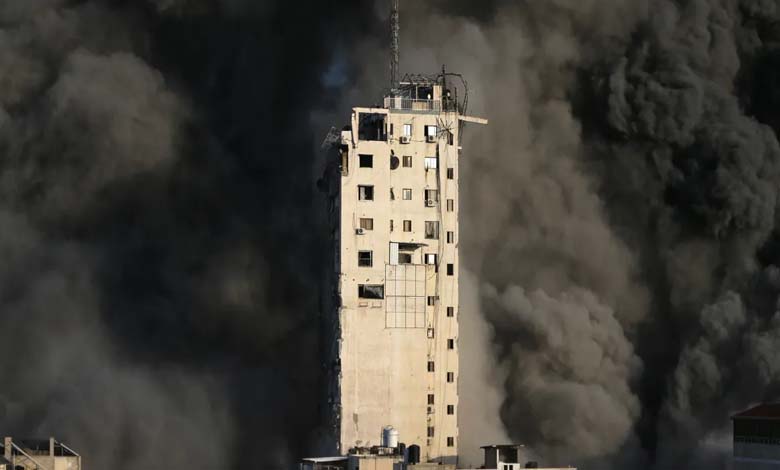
point(395, 33)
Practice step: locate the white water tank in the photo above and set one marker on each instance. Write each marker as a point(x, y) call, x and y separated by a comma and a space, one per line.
point(389, 437)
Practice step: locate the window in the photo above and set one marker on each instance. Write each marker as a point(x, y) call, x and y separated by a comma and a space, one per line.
point(431, 258)
point(404, 258)
point(450, 138)
point(365, 259)
point(407, 225)
point(450, 312)
point(392, 194)
point(431, 300)
point(431, 333)
point(366, 193)
point(431, 163)
point(450, 205)
point(450, 173)
point(431, 367)
point(450, 377)
point(431, 197)
point(407, 194)
point(407, 161)
point(450, 343)
point(431, 131)
point(367, 224)
point(450, 269)
point(450, 410)
point(430, 431)
point(432, 230)
point(366, 161)
point(408, 130)
point(391, 225)
point(450, 442)
point(450, 237)
point(367, 291)
point(430, 399)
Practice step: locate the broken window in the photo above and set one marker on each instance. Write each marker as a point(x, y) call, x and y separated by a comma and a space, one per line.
point(450, 312)
point(407, 225)
point(431, 367)
point(407, 161)
point(450, 377)
point(450, 344)
point(432, 230)
point(365, 259)
point(369, 291)
point(450, 442)
point(431, 163)
point(450, 269)
point(450, 173)
point(450, 237)
point(450, 205)
point(431, 197)
point(367, 224)
point(366, 193)
point(408, 130)
point(450, 411)
point(430, 399)
point(366, 161)
point(407, 194)
point(371, 126)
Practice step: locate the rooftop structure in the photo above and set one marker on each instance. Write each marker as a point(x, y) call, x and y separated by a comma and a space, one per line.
point(757, 437)
point(38, 454)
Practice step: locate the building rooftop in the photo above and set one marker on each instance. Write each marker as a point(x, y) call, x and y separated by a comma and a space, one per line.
point(324, 459)
point(762, 411)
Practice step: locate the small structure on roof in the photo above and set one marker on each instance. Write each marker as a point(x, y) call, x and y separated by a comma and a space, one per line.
point(38, 454)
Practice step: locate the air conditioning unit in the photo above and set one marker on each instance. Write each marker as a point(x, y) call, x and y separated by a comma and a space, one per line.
point(405, 139)
point(430, 203)
point(360, 231)
point(430, 139)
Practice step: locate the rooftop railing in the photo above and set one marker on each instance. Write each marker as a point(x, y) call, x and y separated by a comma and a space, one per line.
point(409, 104)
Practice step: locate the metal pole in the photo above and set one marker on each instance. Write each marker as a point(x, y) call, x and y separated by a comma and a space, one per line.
point(395, 33)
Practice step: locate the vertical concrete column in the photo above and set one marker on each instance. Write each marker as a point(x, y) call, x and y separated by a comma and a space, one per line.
point(7, 442)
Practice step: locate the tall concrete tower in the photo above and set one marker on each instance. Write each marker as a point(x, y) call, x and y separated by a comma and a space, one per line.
point(395, 200)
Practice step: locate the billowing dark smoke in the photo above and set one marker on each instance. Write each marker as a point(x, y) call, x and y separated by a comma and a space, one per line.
point(160, 241)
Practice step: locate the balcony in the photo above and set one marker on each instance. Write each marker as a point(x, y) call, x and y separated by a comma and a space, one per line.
point(409, 104)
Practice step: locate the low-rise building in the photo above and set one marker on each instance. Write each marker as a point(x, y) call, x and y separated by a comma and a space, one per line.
point(757, 438)
point(38, 454)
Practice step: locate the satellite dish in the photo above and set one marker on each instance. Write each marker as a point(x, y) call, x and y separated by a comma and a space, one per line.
point(394, 162)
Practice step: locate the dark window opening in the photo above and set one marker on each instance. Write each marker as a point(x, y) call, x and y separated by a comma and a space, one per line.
point(431, 300)
point(368, 291)
point(365, 259)
point(407, 161)
point(367, 224)
point(450, 269)
point(366, 161)
point(430, 399)
point(366, 193)
point(371, 126)
point(450, 173)
point(407, 225)
point(432, 230)
point(450, 344)
point(431, 367)
point(450, 312)
point(450, 442)
point(450, 409)
point(450, 377)
point(450, 237)
point(404, 258)
point(430, 431)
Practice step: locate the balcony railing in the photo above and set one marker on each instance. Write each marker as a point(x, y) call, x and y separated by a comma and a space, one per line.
point(409, 104)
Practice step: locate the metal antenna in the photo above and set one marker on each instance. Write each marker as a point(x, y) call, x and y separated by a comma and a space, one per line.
point(395, 33)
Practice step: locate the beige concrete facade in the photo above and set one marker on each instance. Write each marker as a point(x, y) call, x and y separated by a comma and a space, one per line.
point(398, 237)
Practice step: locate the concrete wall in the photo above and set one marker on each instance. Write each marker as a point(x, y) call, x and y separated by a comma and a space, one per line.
point(384, 377)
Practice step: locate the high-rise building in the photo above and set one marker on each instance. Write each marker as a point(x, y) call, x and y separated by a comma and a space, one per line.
point(395, 200)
